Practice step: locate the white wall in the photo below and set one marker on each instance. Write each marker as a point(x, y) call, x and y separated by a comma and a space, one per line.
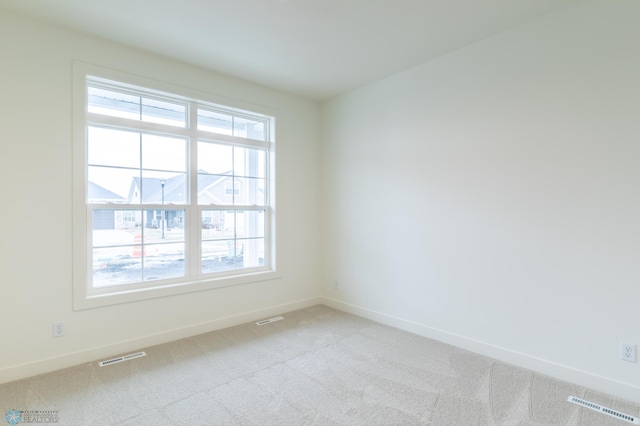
point(491, 198)
point(36, 220)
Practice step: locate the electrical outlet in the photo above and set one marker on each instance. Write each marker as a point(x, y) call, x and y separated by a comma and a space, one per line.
point(628, 351)
point(59, 329)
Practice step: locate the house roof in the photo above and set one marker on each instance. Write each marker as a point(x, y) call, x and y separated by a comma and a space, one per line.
point(174, 187)
point(152, 192)
point(97, 192)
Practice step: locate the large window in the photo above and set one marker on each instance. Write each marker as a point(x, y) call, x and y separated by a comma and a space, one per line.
point(176, 193)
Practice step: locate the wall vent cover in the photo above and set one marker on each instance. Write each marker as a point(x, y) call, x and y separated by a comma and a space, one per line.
point(269, 321)
point(121, 359)
point(604, 410)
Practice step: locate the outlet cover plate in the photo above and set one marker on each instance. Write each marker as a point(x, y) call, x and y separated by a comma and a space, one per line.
point(628, 351)
point(59, 329)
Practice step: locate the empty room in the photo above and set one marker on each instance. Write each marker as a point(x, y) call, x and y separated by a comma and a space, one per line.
point(320, 212)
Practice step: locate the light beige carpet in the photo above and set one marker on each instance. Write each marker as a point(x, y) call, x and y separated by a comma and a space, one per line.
point(318, 366)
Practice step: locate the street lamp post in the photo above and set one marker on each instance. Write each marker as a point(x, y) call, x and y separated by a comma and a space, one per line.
point(162, 217)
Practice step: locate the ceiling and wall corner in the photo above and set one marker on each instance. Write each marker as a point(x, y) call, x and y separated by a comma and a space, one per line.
point(312, 48)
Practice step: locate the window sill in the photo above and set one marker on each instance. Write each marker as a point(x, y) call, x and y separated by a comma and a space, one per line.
point(86, 300)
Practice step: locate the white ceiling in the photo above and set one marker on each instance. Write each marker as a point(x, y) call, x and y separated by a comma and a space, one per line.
point(313, 48)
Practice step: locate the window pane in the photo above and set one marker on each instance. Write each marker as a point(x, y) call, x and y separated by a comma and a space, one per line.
point(215, 158)
point(218, 256)
point(118, 104)
point(236, 252)
point(161, 188)
point(164, 153)
point(252, 253)
point(128, 219)
point(218, 225)
point(250, 224)
point(112, 103)
point(116, 227)
point(111, 185)
point(214, 190)
point(249, 162)
point(252, 192)
point(232, 240)
point(117, 265)
point(164, 226)
point(162, 261)
point(216, 122)
point(108, 147)
point(246, 128)
point(155, 111)
point(152, 248)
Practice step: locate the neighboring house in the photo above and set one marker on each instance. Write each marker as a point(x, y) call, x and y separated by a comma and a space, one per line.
point(150, 191)
point(214, 190)
point(103, 219)
point(217, 190)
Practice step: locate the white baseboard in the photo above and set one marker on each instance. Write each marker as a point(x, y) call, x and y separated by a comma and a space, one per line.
point(22, 371)
point(626, 391)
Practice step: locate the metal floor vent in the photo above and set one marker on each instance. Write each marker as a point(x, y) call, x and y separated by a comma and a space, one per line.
point(604, 410)
point(269, 321)
point(121, 359)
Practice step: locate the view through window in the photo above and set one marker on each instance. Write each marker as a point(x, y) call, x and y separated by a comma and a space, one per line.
point(176, 189)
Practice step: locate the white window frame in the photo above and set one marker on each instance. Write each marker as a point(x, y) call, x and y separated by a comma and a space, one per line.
point(84, 294)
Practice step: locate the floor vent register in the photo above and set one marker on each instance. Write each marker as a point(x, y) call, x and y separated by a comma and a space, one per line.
point(604, 410)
